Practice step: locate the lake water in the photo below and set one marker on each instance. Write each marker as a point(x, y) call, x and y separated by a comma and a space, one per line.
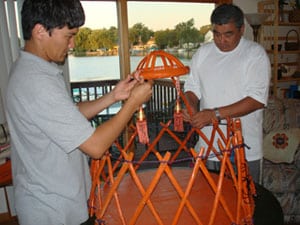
point(101, 67)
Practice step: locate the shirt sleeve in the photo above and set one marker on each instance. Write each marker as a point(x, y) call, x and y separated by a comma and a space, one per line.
point(258, 76)
point(192, 82)
point(53, 111)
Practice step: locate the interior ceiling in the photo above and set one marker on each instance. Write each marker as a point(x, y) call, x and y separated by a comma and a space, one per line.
point(200, 1)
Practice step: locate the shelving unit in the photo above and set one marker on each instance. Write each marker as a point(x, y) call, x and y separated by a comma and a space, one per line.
point(273, 33)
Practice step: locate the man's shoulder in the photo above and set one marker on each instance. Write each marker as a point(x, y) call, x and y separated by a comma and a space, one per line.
point(31, 65)
point(207, 45)
point(26, 63)
point(251, 45)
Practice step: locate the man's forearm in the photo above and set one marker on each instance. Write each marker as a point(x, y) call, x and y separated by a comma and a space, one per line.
point(192, 100)
point(91, 108)
point(240, 108)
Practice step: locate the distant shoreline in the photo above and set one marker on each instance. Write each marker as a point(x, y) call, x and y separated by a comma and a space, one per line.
point(180, 53)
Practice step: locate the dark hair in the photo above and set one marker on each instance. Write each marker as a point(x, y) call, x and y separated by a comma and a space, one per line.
point(227, 13)
point(51, 14)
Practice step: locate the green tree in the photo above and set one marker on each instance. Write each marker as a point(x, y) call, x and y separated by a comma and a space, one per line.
point(139, 34)
point(166, 38)
point(102, 38)
point(81, 40)
point(91, 40)
point(105, 38)
point(95, 40)
point(113, 37)
point(187, 33)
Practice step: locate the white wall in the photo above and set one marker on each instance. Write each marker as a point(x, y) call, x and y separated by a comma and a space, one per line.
point(248, 6)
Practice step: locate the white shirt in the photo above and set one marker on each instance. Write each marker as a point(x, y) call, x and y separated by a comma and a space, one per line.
point(221, 78)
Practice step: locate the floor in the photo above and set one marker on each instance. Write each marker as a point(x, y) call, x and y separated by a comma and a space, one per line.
point(14, 222)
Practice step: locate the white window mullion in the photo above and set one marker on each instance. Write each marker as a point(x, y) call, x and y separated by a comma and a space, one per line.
point(3, 79)
point(13, 33)
point(5, 36)
point(18, 19)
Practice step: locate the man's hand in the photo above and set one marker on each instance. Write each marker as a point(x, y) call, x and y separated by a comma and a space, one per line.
point(141, 93)
point(123, 89)
point(202, 118)
point(186, 116)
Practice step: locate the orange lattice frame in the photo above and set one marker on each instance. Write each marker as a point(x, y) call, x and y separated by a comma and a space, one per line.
point(160, 64)
point(123, 194)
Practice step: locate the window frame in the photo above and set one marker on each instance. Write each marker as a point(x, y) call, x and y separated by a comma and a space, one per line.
point(122, 14)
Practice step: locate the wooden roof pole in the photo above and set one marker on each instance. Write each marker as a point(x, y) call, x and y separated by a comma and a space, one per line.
point(124, 55)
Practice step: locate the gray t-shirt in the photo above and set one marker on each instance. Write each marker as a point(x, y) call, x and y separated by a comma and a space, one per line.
point(50, 173)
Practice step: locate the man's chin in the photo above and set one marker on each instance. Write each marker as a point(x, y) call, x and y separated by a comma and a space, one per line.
point(225, 49)
point(61, 62)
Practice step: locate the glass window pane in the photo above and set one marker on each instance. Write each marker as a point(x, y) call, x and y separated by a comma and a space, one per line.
point(156, 25)
point(100, 34)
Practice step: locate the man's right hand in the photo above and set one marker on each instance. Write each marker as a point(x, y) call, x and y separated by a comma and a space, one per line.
point(141, 93)
point(186, 116)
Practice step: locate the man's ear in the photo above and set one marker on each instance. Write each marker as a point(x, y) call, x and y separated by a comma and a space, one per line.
point(39, 31)
point(242, 29)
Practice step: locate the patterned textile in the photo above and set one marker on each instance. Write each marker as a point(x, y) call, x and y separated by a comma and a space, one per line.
point(283, 179)
point(281, 145)
point(4, 143)
point(4, 134)
point(281, 114)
